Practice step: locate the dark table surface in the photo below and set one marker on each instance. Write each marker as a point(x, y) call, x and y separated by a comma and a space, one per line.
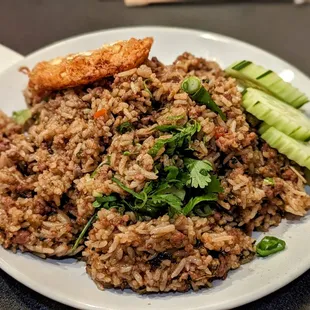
point(277, 26)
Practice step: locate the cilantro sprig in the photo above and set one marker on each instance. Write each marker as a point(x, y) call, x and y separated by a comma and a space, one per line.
point(189, 190)
point(180, 138)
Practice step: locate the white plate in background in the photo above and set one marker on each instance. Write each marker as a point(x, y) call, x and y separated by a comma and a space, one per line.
point(66, 280)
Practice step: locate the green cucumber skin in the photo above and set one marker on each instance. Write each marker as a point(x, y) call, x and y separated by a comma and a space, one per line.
point(276, 113)
point(250, 74)
point(243, 64)
point(296, 151)
point(264, 75)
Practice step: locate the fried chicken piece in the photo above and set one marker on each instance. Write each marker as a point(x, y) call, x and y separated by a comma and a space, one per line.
point(83, 68)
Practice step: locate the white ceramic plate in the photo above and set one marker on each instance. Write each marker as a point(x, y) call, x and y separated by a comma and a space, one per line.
point(66, 280)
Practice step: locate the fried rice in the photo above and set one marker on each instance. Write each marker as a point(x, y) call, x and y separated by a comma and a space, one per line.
point(48, 185)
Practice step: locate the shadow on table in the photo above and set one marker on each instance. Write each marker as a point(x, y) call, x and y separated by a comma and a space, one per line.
point(290, 296)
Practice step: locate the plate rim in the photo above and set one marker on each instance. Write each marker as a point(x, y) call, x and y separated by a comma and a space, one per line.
point(245, 298)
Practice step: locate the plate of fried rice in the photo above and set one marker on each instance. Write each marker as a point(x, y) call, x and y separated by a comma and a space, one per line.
point(154, 168)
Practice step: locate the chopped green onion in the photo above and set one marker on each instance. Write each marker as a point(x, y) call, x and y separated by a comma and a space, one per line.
point(146, 88)
point(124, 127)
point(22, 116)
point(269, 181)
point(126, 153)
point(270, 245)
point(193, 86)
point(141, 196)
point(166, 128)
point(175, 118)
point(94, 173)
point(83, 232)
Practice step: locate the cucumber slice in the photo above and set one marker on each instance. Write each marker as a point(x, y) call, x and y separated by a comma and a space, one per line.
point(252, 75)
point(297, 151)
point(276, 113)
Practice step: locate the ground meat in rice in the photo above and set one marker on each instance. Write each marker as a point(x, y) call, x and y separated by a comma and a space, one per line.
point(164, 254)
point(49, 177)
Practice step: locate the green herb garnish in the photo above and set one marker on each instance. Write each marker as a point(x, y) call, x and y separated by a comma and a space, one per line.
point(124, 127)
point(186, 190)
point(199, 175)
point(190, 189)
point(141, 197)
point(270, 245)
point(176, 118)
point(83, 232)
point(179, 139)
point(172, 172)
point(193, 202)
point(95, 172)
point(193, 86)
point(215, 185)
point(146, 88)
point(22, 116)
point(166, 128)
point(269, 181)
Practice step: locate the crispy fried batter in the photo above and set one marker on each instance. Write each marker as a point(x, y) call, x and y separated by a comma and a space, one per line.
point(83, 68)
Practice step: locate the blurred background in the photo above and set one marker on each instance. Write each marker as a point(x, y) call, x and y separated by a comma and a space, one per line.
point(281, 27)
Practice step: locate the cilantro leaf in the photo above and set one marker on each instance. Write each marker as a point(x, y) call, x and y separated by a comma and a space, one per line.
point(96, 204)
point(107, 202)
point(124, 127)
point(199, 175)
point(104, 199)
point(215, 185)
point(178, 140)
point(148, 187)
point(172, 172)
point(166, 188)
point(196, 200)
point(179, 192)
point(171, 200)
point(159, 144)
